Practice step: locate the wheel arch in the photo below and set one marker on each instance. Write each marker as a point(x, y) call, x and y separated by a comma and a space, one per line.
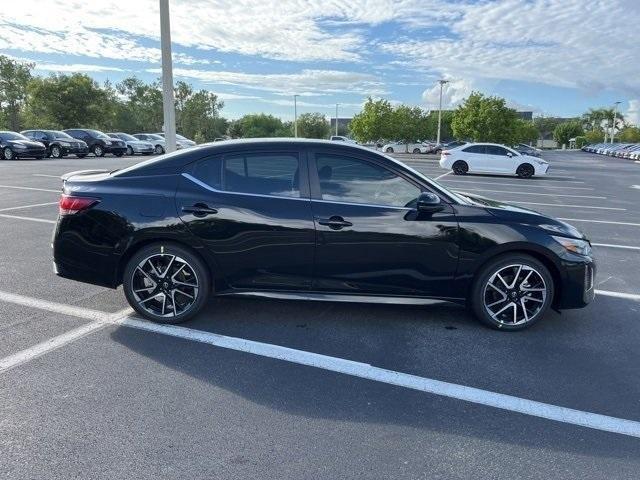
point(136, 246)
point(541, 254)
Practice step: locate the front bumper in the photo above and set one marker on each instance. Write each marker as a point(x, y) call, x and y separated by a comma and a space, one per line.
point(115, 150)
point(75, 150)
point(578, 284)
point(142, 149)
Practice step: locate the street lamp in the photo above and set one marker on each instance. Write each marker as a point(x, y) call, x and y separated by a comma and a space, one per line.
point(168, 107)
point(442, 83)
point(615, 114)
point(337, 119)
point(295, 115)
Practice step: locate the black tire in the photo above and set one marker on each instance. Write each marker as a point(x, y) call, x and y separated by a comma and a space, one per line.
point(437, 151)
point(8, 154)
point(98, 150)
point(460, 167)
point(416, 150)
point(525, 170)
point(81, 155)
point(130, 151)
point(482, 292)
point(158, 150)
point(389, 150)
point(56, 151)
point(160, 251)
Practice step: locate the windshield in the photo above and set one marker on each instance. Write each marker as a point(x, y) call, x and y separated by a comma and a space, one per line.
point(58, 134)
point(12, 136)
point(98, 134)
point(155, 136)
point(126, 136)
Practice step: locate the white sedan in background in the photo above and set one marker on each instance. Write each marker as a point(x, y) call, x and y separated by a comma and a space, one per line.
point(491, 158)
point(398, 147)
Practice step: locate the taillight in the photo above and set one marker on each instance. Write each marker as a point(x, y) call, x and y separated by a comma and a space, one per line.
point(445, 152)
point(70, 205)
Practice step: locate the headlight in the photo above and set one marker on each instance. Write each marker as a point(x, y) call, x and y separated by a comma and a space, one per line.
point(541, 162)
point(65, 144)
point(107, 142)
point(19, 146)
point(581, 247)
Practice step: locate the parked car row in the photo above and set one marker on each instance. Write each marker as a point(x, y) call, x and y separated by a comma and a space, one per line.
point(620, 150)
point(492, 158)
point(81, 142)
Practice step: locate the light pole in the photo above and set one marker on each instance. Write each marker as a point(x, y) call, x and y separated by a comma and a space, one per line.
point(295, 115)
point(168, 107)
point(442, 83)
point(613, 126)
point(337, 119)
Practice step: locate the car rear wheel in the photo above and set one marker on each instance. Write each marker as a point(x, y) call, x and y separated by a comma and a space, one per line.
point(159, 150)
point(129, 151)
point(525, 171)
point(512, 292)
point(56, 151)
point(166, 283)
point(98, 151)
point(460, 167)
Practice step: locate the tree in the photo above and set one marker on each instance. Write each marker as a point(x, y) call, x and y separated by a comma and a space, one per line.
point(313, 125)
point(485, 119)
point(199, 116)
point(66, 101)
point(14, 81)
point(374, 122)
point(234, 129)
point(594, 136)
point(143, 106)
point(260, 125)
point(526, 132)
point(567, 130)
point(430, 124)
point(629, 135)
point(546, 126)
point(407, 123)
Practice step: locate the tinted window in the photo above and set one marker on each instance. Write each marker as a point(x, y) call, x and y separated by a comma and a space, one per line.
point(495, 150)
point(474, 149)
point(263, 174)
point(12, 136)
point(346, 179)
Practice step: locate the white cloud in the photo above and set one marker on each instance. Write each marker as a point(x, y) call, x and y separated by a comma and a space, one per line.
point(75, 67)
point(452, 94)
point(308, 81)
point(632, 114)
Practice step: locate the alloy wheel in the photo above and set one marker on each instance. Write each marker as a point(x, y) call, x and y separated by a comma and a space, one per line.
point(159, 150)
point(164, 285)
point(55, 151)
point(515, 294)
point(8, 154)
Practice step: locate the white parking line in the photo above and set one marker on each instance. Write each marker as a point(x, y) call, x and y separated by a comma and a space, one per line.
point(609, 245)
point(569, 206)
point(27, 206)
point(626, 296)
point(523, 184)
point(530, 193)
point(443, 175)
point(325, 362)
point(32, 188)
point(599, 221)
point(31, 219)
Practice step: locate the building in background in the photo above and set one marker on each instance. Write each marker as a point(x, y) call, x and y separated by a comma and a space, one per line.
point(343, 126)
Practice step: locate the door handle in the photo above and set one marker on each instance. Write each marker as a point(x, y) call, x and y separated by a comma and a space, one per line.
point(335, 223)
point(199, 210)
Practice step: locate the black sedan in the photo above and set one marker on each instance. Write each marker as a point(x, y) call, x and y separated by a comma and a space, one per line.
point(14, 145)
point(312, 220)
point(98, 142)
point(57, 143)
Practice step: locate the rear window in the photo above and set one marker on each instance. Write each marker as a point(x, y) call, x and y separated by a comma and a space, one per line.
point(273, 174)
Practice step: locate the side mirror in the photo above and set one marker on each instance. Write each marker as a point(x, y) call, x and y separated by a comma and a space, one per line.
point(509, 154)
point(429, 203)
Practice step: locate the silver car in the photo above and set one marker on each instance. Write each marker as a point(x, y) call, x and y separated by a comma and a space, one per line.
point(133, 144)
point(159, 145)
point(180, 140)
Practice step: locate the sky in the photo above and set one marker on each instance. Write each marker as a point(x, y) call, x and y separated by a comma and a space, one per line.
point(554, 57)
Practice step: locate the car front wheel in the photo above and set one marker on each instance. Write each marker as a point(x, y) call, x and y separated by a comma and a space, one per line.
point(525, 171)
point(98, 151)
point(512, 292)
point(129, 151)
point(166, 283)
point(416, 150)
point(159, 150)
point(8, 154)
point(56, 152)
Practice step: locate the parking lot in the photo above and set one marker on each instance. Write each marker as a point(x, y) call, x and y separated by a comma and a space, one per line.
point(282, 389)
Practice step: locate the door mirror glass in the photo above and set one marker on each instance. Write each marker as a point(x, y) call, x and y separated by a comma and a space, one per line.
point(509, 154)
point(429, 202)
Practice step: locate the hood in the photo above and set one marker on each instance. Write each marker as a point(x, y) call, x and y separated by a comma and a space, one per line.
point(140, 143)
point(516, 214)
point(26, 143)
